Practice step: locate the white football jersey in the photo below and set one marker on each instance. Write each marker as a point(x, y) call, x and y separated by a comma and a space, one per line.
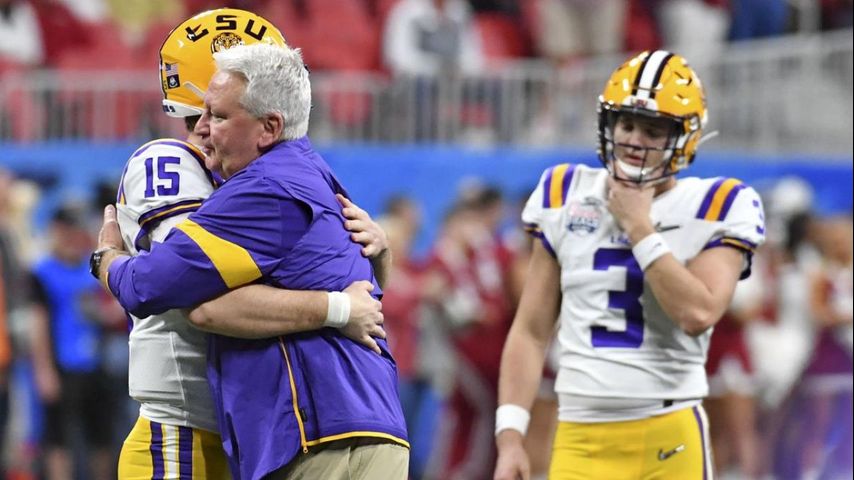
point(163, 182)
point(615, 340)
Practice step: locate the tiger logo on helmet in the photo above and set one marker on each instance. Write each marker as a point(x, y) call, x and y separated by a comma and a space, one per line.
point(186, 57)
point(657, 84)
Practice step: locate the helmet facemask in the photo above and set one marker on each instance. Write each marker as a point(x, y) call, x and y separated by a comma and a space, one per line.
point(647, 169)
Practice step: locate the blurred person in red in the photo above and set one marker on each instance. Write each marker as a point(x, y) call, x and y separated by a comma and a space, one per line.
point(731, 403)
point(827, 381)
point(408, 287)
point(474, 266)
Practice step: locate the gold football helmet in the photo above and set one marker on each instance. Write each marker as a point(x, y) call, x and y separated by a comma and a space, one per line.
point(186, 57)
point(657, 84)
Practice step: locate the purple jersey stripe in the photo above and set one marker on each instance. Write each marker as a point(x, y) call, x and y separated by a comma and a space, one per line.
point(707, 202)
point(546, 243)
point(702, 426)
point(185, 452)
point(731, 242)
point(151, 219)
point(547, 187)
point(729, 199)
point(149, 215)
point(157, 451)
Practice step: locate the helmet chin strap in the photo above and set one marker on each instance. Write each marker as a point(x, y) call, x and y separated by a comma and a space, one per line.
point(637, 174)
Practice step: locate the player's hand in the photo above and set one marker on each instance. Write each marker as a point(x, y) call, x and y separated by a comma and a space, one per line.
point(364, 230)
point(513, 463)
point(110, 236)
point(366, 316)
point(630, 205)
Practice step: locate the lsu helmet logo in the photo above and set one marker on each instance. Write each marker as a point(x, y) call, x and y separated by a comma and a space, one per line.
point(190, 48)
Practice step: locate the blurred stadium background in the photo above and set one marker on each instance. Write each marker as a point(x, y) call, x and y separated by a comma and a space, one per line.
point(437, 121)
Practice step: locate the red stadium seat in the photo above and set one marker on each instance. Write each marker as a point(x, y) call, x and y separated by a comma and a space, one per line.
point(502, 37)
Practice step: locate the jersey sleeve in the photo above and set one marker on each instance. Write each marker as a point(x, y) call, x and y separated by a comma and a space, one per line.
point(549, 196)
point(738, 209)
point(238, 235)
point(162, 179)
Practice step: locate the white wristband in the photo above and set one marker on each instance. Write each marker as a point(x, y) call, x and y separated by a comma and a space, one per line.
point(650, 249)
point(513, 417)
point(337, 310)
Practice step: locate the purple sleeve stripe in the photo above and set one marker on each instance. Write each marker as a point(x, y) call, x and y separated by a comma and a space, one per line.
point(556, 185)
point(707, 201)
point(730, 198)
point(547, 187)
point(151, 222)
point(531, 227)
point(120, 195)
point(169, 210)
point(546, 243)
point(731, 242)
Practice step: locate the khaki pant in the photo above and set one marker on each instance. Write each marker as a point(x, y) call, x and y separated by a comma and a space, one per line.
point(349, 459)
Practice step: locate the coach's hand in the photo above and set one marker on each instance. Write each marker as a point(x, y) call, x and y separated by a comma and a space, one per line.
point(366, 316)
point(513, 463)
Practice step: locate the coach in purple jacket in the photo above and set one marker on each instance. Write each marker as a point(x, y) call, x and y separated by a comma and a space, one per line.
point(309, 405)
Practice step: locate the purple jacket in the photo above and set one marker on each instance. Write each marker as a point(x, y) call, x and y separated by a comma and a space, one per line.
point(277, 221)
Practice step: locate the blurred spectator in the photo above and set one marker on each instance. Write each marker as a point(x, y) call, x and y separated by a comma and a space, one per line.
point(695, 28)
point(731, 403)
point(758, 18)
point(20, 34)
point(817, 438)
point(568, 29)
point(60, 30)
point(475, 266)
point(89, 11)
point(66, 355)
point(780, 346)
point(641, 29)
point(8, 279)
point(405, 291)
point(430, 37)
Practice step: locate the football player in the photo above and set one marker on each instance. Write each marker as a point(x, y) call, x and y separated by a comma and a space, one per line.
point(163, 182)
point(636, 266)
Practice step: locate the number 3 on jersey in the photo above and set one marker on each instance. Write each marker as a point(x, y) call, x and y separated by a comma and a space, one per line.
point(168, 183)
point(627, 300)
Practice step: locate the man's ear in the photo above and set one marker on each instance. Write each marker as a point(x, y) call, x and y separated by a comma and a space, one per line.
point(273, 125)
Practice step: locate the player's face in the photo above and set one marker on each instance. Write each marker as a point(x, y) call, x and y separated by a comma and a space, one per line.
point(230, 135)
point(639, 140)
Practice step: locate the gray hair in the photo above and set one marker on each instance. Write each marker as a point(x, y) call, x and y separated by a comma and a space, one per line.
point(276, 82)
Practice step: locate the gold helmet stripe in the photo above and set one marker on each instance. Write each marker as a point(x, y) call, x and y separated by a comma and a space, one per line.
point(650, 74)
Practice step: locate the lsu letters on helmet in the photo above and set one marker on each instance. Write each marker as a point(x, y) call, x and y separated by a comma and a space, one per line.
point(657, 84)
point(186, 57)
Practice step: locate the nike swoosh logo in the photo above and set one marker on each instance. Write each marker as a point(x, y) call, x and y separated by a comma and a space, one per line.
point(664, 228)
point(662, 455)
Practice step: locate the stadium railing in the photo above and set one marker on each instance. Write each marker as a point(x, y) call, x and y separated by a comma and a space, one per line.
point(788, 94)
